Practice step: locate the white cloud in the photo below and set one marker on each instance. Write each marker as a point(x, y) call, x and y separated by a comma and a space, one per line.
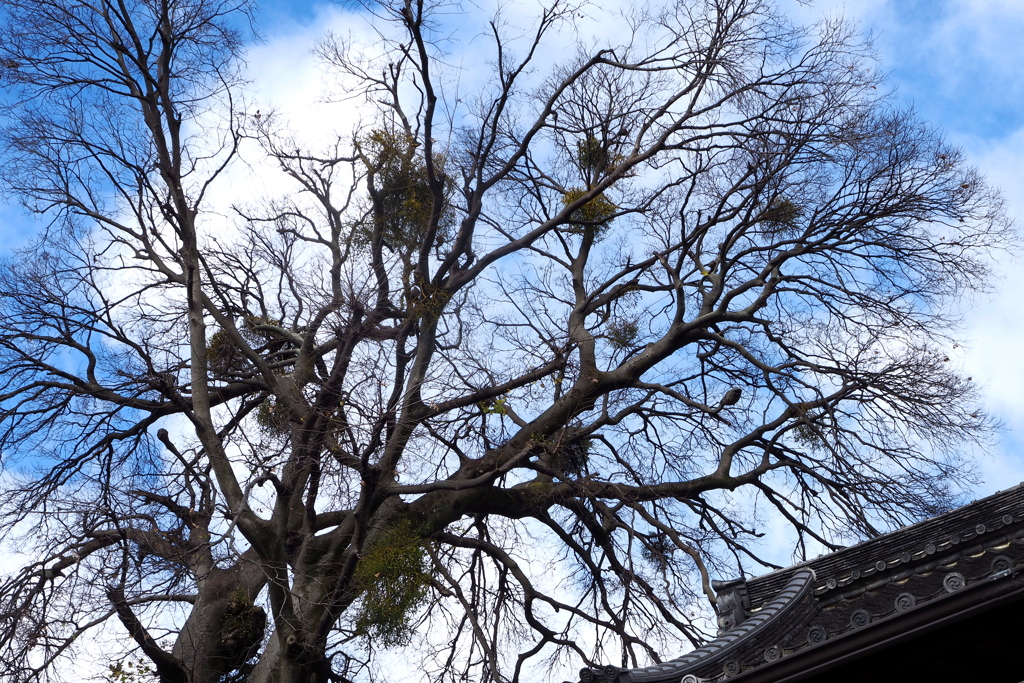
point(960, 60)
point(995, 326)
point(289, 78)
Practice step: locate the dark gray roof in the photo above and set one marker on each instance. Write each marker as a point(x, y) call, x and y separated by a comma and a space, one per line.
point(841, 594)
point(939, 534)
point(783, 612)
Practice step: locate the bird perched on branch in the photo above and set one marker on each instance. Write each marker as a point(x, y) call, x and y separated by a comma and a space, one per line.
point(731, 398)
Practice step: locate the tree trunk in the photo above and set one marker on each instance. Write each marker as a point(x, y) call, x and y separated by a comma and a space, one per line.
point(225, 628)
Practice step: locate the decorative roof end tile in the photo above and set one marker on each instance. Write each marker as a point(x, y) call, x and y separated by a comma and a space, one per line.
point(733, 603)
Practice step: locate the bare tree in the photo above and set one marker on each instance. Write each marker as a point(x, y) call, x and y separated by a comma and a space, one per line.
point(504, 379)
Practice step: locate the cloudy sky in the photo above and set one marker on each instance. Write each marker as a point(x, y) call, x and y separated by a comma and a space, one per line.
point(956, 61)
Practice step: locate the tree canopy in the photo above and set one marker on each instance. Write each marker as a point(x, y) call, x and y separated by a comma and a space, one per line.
point(503, 377)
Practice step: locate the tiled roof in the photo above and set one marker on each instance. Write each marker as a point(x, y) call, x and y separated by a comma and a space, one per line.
point(963, 526)
point(843, 593)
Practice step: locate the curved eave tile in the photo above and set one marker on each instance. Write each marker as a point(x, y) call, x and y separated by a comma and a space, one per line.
point(772, 617)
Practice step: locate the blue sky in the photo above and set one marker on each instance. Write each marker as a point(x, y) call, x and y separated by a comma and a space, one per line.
point(956, 61)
